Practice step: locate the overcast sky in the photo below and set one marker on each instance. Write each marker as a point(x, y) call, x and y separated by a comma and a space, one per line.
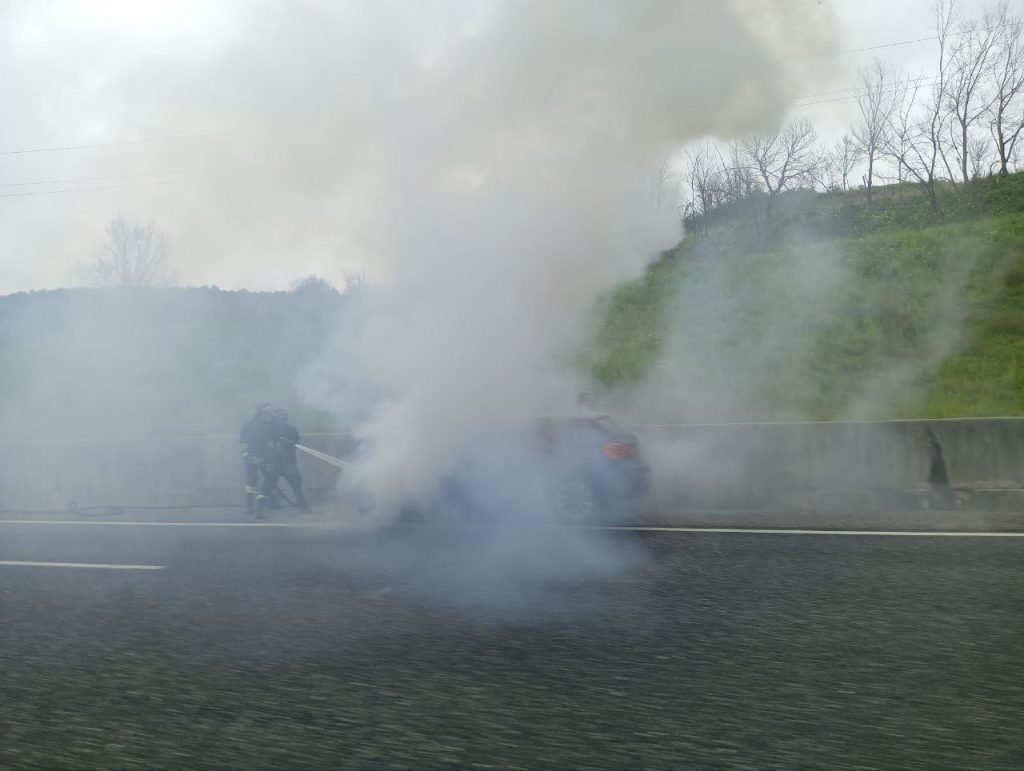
point(148, 87)
point(871, 23)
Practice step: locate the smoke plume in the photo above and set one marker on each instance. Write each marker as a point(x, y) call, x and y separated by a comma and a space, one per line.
point(523, 189)
point(494, 167)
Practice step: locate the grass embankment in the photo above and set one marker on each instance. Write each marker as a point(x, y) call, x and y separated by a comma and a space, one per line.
point(831, 308)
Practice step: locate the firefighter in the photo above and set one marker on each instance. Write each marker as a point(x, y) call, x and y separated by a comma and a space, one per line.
point(286, 464)
point(257, 438)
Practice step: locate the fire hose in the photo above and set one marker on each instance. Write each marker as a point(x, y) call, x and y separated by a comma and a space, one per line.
point(116, 510)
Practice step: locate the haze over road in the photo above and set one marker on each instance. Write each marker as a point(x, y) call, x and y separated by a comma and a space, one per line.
point(293, 647)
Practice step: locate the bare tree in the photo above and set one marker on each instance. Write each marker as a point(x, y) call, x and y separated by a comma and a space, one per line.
point(845, 156)
point(784, 159)
point(356, 282)
point(946, 15)
point(969, 62)
point(132, 256)
point(902, 131)
point(703, 177)
point(739, 181)
point(876, 101)
point(979, 153)
point(1006, 110)
point(312, 285)
point(667, 187)
point(915, 143)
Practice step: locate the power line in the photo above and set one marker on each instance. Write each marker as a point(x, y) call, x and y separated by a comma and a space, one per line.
point(853, 94)
point(889, 90)
point(118, 144)
point(922, 39)
point(855, 90)
point(850, 90)
point(30, 97)
point(891, 45)
point(850, 93)
point(886, 45)
point(107, 187)
point(97, 179)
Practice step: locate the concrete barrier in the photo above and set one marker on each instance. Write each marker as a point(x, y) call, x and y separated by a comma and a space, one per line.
point(173, 471)
point(885, 465)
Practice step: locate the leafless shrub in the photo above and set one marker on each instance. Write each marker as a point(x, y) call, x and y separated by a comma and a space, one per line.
point(132, 256)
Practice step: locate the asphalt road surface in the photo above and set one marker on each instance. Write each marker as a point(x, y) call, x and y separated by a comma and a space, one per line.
point(192, 645)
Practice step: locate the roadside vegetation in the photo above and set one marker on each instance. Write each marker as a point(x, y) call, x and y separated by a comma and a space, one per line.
point(899, 284)
point(939, 289)
point(879, 276)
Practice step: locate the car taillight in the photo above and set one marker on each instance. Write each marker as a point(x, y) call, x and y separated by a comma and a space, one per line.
point(617, 450)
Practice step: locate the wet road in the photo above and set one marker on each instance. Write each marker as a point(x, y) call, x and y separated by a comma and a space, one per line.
point(296, 647)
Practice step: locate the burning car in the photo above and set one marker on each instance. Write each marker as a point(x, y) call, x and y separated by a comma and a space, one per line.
point(580, 470)
point(595, 471)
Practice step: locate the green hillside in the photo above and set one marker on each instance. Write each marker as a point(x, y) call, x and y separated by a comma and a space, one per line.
point(827, 309)
point(892, 310)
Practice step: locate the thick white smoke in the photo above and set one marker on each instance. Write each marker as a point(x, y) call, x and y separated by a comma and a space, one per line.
point(488, 164)
point(520, 192)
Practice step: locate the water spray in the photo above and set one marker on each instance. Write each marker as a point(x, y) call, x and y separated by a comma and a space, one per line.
point(336, 462)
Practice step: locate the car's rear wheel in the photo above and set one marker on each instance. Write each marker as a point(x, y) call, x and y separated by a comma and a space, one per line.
point(576, 502)
point(437, 514)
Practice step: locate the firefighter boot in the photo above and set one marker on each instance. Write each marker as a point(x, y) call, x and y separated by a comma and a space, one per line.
point(251, 494)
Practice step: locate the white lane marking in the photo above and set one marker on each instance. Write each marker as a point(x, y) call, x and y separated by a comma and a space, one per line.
point(623, 528)
point(781, 531)
point(148, 524)
point(98, 566)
